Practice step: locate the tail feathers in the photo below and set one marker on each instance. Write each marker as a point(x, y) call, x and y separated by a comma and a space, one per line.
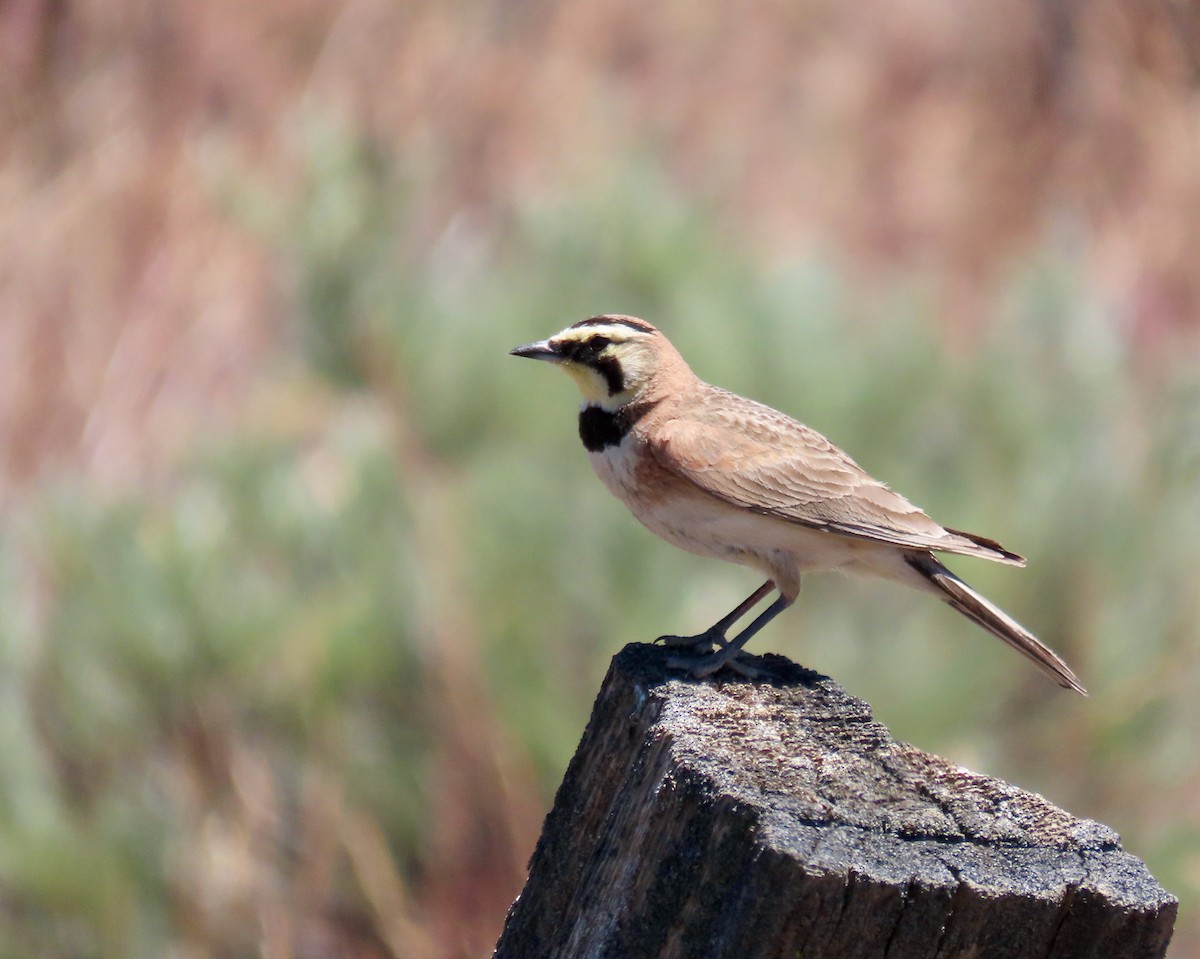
point(975, 607)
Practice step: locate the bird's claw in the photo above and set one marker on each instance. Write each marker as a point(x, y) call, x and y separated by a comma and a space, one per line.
point(700, 644)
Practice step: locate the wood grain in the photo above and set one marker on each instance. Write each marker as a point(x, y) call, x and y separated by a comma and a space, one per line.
point(776, 818)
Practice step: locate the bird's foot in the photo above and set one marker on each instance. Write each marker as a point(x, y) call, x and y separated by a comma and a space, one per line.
point(700, 644)
point(708, 663)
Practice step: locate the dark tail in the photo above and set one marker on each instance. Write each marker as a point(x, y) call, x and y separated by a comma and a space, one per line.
point(975, 607)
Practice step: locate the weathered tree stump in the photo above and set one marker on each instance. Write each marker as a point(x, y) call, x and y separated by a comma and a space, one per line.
point(735, 820)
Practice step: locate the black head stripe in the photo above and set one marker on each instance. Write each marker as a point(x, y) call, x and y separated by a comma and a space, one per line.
point(610, 368)
point(586, 351)
point(630, 322)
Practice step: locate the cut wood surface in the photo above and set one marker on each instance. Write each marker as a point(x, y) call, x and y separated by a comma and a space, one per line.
point(774, 817)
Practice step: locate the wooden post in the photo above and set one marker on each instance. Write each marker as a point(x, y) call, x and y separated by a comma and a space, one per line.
point(731, 819)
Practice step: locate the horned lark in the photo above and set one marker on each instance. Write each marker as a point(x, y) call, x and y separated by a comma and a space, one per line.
point(720, 475)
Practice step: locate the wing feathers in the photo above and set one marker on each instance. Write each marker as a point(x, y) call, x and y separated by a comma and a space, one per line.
point(757, 458)
point(1013, 559)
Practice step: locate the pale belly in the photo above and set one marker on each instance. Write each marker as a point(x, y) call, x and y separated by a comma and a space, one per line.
point(707, 526)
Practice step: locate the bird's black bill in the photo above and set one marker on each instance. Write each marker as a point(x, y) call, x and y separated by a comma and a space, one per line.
point(536, 351)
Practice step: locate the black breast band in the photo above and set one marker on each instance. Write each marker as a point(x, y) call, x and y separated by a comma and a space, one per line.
point(600, 429)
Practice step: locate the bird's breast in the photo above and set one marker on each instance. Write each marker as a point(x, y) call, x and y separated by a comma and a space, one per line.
point(617, 466)
point(673, 509)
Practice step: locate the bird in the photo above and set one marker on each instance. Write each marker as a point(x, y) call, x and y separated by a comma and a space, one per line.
point(723, 476)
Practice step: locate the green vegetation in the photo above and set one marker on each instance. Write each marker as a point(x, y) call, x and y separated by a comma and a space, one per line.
point(335, 666)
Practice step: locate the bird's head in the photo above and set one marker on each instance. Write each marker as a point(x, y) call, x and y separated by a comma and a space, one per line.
point(614, 359)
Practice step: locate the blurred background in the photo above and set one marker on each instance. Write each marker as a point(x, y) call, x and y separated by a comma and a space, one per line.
point(306, 586)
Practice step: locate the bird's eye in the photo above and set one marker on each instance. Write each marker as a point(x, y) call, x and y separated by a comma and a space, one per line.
point(598, 343)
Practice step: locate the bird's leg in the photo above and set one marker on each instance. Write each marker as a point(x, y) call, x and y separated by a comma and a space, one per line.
point(728, 654)
point(715, 634)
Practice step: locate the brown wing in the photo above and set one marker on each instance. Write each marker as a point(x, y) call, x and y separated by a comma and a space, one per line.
point(759, 459)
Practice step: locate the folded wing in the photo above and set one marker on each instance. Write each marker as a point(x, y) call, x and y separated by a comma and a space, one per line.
point(771, 464)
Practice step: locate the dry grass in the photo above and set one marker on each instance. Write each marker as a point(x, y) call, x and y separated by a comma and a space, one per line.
point(906, 136)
